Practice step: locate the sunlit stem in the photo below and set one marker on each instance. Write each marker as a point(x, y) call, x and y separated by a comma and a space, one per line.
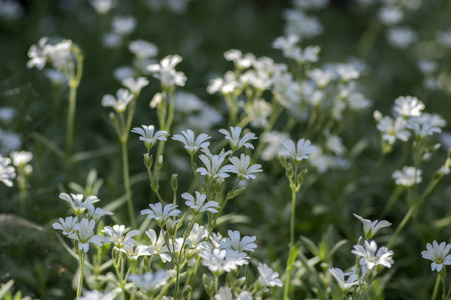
point(126, 174)
point(81, 259)
point(436, 286)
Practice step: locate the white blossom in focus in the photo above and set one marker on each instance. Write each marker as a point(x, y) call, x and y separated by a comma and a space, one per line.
point(438, 254)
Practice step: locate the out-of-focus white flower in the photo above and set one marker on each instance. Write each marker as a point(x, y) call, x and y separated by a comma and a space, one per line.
point(165, 71)
point(370, 228)
point(112, 40)
point(335, 144)
point(286, 44)
point(85, 234)
point(268, 277)
point(143, 49)
point(96, 295)
point(234, 138)
point(241, 166)
point(259, 112)
point(393, 129)
point(426, 124)
point(297, 22)
point(9, 141)
point(10, 10)
point(401, 37)
point(438, 254)
point(102, 6)
point(76, 201)
point(407, 177)
point(149, 281)
point(135, 86)
point(311, 4)
point(213, 167)
point(299, 152)
point(21, 158)
point(66, 225)
point(192, 144)
point(274, 141)
point(158, 245)
point(347, 72)
point(371, 256)
point(224, 293)
point(160, 214)
point(408, 106)
point(37, 54)
point(219, 261)
point(133, 252)
point(286, 90)
point(236, 243)
point(122, 73)
point(117, 237)
point(197, 205)
point(120, 102)
point(321, 77)
point(7, 114)
point(149, 136)
point(188, 103)
point(124, 25)
point(390, 15)
point(444, 38)
point(241, 61)
point(56, 77)
point(344, 285)
point(427, 66)
point(59, 54)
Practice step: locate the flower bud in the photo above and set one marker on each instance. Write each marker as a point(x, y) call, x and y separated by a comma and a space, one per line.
point(186, 291)
point(302, 176)
point(174, 182)
point(148, 160)
point(160, 162)
point(218, 185)
point(283, 161)
point(171, 226)
point(289, 171)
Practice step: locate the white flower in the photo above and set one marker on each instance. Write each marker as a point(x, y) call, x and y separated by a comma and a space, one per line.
point(268, 277)
point(158, 245)
point(37, 54)
point(286, 44)
point(259, 112)
point(234, 242)
point(95, 213)
point(241, 167)
point(117, 237)
point(438, 254)
point(76, 201)
point(102, 6)
point(192, 144)
point(390, 15)
point(198, 204)
point(96, 295)
point(149, 281)
point(59, 54)
point(213, 166)
point(408, 106)
point(401, 37)
point(219, 261)
point(299, 152)
point(422, 128)
point(135, 86)
point(370, 228)
point(444, 38)
point(301, 24)
point(427, 66)
point(112, 40)
point(85, 234)
point(234, 138)
point(196, 235)
point(371, 256)
point(143, 49)
point(120, 102)
point(347, 72)
point(345, 285)
point(241, 62)
point(66, 225)
point(160, 214)
point(245, 296)
point(140, 250)
point(7, 172)
point(407, 177)
point(321, 77)
point(393, 129)
point(224, 293)
point(149, 136)
point(165, 71)
point(124, 25)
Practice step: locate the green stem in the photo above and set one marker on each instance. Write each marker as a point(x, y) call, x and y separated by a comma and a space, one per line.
point(81, 258)
point(402, 224)
point(292, 226)
point(70, 122)
point(437, 284)
point(391, 201)
point(177, 282)
point(127, 182)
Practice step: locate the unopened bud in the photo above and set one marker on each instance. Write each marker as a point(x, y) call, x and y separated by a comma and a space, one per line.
point(302, 176)
point(218, 185)
point(186, 291)
point(283, 161)
point(174, 182)
point(160, 162)
point(289, 171)
point(148, 160)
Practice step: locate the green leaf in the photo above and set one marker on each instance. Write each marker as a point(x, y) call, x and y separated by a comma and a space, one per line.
point(292, 257)
point(335, 248)
point(48, 143)
point(209, 285)
point(72, 252)
point(112, 206)
point(310, 245)
point(5, 288)
point(81, 156)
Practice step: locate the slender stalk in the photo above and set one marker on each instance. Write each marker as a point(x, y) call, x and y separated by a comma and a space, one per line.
point(127, 182)
point(81, 258)
point(437, 284)
point(70, 122)
point(177, 282)
point(292, 225)
point(391, 201)
point(402, 224)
